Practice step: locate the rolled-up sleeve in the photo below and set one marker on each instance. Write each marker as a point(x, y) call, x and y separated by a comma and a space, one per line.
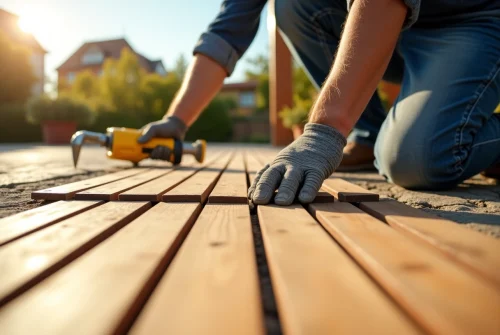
point(231, 33)
point(413, 11)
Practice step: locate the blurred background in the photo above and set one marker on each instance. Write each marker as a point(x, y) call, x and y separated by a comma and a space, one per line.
point(71, 64)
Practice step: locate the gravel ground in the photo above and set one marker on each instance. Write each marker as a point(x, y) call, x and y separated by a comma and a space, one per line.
point(15, 198)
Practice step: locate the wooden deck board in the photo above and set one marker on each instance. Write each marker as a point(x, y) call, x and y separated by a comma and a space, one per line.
point(25, 261)
point(476, 250)
point(67, 191)
point(102, 291)
point(154, 189)
point(198, 187)
point(441, 296)
point(232, 185)
point(345, 191)
point(112, 190)
point(253, 165)
point(211, 286)
point(24, 223)
point(319, 289)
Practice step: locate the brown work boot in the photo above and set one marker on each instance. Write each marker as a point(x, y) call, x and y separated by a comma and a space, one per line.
point(357, 157)
point(492, 172)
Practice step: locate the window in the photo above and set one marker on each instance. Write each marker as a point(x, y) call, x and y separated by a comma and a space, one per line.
point(247, 99)
point(160, 70)
point(71, 77)
point(93, 57)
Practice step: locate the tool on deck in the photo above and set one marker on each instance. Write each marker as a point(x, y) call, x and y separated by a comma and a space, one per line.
point(122, 144)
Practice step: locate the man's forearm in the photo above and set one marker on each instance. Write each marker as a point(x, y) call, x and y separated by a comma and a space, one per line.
point(201, 83)
point(367, 44)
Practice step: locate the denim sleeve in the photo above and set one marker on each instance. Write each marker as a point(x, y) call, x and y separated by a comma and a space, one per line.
point(413, 11)
point(230, 34)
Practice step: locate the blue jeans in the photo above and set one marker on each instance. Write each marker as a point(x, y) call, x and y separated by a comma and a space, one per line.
point(441, 129)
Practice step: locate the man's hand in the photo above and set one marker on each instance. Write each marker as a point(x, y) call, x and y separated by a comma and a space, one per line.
point(171, 127)
point(305, 163)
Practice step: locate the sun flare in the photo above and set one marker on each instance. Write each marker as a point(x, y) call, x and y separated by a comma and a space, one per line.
point(40, 23)
point(27, 23)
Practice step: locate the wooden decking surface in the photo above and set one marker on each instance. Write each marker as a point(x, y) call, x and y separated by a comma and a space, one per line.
point(164, 250)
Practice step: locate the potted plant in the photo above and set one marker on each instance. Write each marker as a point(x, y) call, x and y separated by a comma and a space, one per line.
point(58, 117)
point(295, 118)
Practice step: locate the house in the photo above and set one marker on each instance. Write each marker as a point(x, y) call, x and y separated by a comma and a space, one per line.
point(9, 25)
point(244, 94)
point(92, 55)
point(248, 124)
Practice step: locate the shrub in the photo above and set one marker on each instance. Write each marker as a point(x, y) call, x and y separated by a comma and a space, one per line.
point(297, 115)
point(62, 109)
point(14, 127)
point(214, 124)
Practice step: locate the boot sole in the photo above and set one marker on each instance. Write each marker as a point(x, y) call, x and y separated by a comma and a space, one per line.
point(356, 168)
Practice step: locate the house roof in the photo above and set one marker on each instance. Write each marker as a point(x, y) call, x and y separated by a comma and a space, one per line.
point(250, 85)
point(9, 26)
point(111, 49)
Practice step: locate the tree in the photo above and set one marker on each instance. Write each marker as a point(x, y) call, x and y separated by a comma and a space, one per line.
point(120, 82)
point(86, 85)
point(181, 65)
point(304, 90)
point(158, 92)
point(16, 72)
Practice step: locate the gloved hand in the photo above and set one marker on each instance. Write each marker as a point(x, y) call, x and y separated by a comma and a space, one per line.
point(308, 161)
point(171, 127)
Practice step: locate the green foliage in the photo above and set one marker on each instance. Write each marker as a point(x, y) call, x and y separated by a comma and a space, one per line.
point(298, 114)
point(260, 73)
point(124, 95)
point(157, 93)
point(214, 124)
point(304, 90)
point(16, 74)
point(120, 83)
point(86, 85)
point(61, 109)
point(14, 127)
point(180, 67)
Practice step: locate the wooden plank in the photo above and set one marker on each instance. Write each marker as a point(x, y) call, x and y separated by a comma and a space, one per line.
point(318, 287)
point(253, 165)
point(22, 224)
point(28, 260)
point(111, 191)
point(153, 190)
point(280, 81)
point(103, 291)
point(211, 286)
point(67, 191)
point(345, 191)
point(479, 252)
point(441, 296)
point(232, 185)
point(198, 187)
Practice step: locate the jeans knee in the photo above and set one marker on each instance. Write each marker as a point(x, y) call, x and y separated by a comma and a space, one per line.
point(413, 168)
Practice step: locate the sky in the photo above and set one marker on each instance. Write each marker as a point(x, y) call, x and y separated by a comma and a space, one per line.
point(158, 29)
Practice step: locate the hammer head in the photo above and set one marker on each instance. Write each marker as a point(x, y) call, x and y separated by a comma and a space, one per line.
point(84, 136)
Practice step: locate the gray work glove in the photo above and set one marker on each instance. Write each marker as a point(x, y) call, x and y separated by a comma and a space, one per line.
point(307, 162)
point(171, 127)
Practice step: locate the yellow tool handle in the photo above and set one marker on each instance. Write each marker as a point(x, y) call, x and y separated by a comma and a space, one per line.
point(124, 145)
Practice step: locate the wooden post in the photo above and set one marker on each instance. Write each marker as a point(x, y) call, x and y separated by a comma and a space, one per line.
point(280, 81)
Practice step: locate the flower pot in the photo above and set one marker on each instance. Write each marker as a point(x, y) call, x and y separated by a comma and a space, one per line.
point(297, 130)
point(58, 132)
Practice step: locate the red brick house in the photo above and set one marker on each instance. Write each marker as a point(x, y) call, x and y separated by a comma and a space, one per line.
point(9, 25)
point(91, 56)
point(245, 95)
